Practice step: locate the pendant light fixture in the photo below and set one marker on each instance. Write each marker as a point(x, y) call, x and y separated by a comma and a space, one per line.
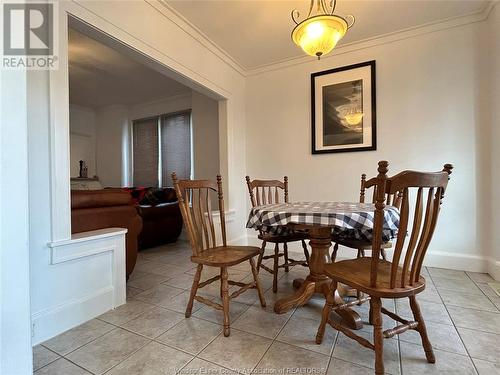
point(318, 34)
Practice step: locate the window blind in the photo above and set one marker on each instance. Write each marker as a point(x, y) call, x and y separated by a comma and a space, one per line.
point(175, 146)
point(145, 152)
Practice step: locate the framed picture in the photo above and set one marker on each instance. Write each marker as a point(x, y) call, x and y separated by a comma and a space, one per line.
point(343, 109)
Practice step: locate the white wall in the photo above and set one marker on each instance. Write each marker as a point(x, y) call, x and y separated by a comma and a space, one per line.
point(205, 120)
point(493, 73)
point(112, 145)
point(15, 326)
point(103, 137)
point(82, 139)
point(426, 116)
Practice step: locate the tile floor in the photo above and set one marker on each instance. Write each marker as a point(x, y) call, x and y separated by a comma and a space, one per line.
point(149, 334)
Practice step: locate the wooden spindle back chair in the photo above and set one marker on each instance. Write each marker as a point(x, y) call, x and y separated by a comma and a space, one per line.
point(421, 197)
point(393, 199)
point(274, 192)
point(195, 201)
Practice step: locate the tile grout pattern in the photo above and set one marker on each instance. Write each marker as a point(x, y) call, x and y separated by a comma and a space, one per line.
point(149, 334)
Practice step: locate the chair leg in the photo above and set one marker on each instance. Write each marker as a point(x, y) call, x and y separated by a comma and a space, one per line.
point(334, 252)
point(194, 289)
point(225, 300)
point(275, 267)
point(306, 251)
point(327, 309)
point(262, 250)
point(378, 336)
point(257, 283)
point(417, 315)
point(285, 254)
point(359, 294)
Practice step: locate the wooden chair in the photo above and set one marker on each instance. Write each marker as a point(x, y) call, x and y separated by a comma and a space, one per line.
point(360, 245)
point(195, 197)
point(379, 278)
point(268, 192)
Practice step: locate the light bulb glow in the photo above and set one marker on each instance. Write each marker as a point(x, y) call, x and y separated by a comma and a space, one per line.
point(319, 35)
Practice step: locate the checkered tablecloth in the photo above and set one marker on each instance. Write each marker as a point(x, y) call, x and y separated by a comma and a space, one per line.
point(349, 220)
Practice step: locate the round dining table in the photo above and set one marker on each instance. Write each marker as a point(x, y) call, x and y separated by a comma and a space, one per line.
point(320, 220)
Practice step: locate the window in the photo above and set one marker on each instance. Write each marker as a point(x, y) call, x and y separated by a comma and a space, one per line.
point(161, 145)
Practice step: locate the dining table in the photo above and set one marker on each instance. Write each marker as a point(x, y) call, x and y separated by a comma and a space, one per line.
point(322, 220)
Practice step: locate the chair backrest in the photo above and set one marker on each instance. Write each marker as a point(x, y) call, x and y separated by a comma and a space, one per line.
point(195, 202)
point(391, 199)
point(424, 193)
point(267, 191)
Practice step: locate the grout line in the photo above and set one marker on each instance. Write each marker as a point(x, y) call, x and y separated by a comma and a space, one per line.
point(58, 357)
point(458, 333)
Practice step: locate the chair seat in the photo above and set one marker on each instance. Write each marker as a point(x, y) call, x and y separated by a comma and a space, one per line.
point(221, 256)
point(359, 244)
point(356, 273)
point(281, 238)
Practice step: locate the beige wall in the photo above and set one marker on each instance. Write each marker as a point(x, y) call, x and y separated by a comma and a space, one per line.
point(426, 116)
point(205, 120)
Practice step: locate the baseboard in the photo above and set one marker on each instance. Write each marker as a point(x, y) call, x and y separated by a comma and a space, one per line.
point(494, 268)
point(440, 259)
point(54, 321)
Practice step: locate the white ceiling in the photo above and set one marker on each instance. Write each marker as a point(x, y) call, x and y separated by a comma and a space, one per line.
point(100, 76)
point(257, 32)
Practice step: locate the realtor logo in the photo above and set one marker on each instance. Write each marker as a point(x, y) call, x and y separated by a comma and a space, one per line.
point(28, 36)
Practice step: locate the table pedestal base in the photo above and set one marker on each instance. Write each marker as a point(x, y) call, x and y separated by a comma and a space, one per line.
point(317, 282)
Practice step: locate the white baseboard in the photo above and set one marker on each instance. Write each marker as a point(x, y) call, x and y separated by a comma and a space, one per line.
point(494, 268)
point(54, 321)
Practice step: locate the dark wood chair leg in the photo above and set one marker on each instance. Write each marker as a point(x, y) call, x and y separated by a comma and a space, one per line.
point(194, 288)
point(306, 251)
point(225, 300)
point(262, 250)
point(257, 283)
point(334, 252)
point(327, 309)
point(417, 315)
point(275, 268)
point(285, 254)
point(378, 336)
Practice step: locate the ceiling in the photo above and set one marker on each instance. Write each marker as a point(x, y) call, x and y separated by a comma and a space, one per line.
point(257, 32)
point(100, 76)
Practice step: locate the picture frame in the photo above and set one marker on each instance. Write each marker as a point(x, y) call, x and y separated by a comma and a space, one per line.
point(343, 109)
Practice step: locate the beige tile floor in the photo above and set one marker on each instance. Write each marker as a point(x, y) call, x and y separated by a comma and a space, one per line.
point(149, 334)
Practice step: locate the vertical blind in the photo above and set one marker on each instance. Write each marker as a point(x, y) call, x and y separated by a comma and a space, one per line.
point(146, 156)
point(175, 147)
point(162, 145)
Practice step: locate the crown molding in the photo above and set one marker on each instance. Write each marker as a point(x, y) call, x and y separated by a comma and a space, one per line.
point(174, 16)
point(432, 27)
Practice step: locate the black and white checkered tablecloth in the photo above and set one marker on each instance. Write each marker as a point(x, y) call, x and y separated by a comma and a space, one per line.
point(349, 220)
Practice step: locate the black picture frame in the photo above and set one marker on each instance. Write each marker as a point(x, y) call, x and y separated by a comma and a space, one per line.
point(372, 144)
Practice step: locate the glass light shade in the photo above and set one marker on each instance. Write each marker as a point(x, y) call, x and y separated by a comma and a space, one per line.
point(320, 34)
point(353, 118)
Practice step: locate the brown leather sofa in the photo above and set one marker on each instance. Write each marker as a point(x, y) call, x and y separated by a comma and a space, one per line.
point(161, 224)
point(98, 209)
